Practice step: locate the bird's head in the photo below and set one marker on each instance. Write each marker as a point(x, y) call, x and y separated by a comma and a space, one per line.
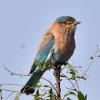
point(65, 24)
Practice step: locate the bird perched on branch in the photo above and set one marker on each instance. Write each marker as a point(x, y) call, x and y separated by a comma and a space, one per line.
point(55, 49)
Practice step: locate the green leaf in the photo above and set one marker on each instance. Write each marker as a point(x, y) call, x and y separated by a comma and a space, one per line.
point(82, 77)
point(36, 96)
point(81, 96)
point(86, 97)
point(68, 98)
point(46, 86)
point(74, 90)
point(72, 93)
point(51, 94)
point(98, 50)
point(91, 57)
point(73, 74)
point(98, 56)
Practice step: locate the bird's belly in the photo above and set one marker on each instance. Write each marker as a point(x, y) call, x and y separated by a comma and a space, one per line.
point(62, 55)
point(59, 59)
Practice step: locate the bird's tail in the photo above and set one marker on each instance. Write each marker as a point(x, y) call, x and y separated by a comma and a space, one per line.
point(30, 86)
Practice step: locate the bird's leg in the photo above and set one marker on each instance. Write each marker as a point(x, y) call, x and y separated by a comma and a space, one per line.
point(57, 77)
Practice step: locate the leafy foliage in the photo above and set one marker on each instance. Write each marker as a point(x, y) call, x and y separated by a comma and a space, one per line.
point(72, 76)
point(37, 95)
point(81, 96)
point(51, 94)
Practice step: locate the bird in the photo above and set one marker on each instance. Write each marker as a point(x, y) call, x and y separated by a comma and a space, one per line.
point(56, 48)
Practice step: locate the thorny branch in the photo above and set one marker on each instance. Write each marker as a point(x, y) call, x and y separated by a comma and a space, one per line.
point(57, 76)
point(50, 83)
point(85, 71)
point(62, 75)
point(10, 90)
point(13, 73)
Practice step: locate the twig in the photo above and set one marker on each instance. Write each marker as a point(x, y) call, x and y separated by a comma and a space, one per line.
point(93, 58)
point(9, 95)
point(69, 80)
point(13, 73)
point(10, 90)
point(10, 84)
point(50, 83)
point(95, 55)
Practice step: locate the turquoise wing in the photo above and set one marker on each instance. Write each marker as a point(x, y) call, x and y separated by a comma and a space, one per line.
point(44, 49)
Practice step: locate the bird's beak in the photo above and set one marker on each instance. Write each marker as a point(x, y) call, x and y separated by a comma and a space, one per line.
point(77, 22)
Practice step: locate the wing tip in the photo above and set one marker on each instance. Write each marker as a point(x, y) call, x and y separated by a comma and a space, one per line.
point(27, 90)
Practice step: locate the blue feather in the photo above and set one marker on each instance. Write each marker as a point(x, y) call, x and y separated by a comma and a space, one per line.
point(42, 55)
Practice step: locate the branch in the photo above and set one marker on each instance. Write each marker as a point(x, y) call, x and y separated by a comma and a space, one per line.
point(13, 73)
point(57, 77)
point(10, 90)
point(50, 83)
point(93, 59)
point(69, 80)
point(85, 71)
point(9, 95)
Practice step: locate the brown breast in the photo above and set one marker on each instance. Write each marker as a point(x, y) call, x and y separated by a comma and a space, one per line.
point(64, 45)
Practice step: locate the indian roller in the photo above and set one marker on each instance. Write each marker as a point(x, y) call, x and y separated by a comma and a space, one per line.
point(55, 49)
